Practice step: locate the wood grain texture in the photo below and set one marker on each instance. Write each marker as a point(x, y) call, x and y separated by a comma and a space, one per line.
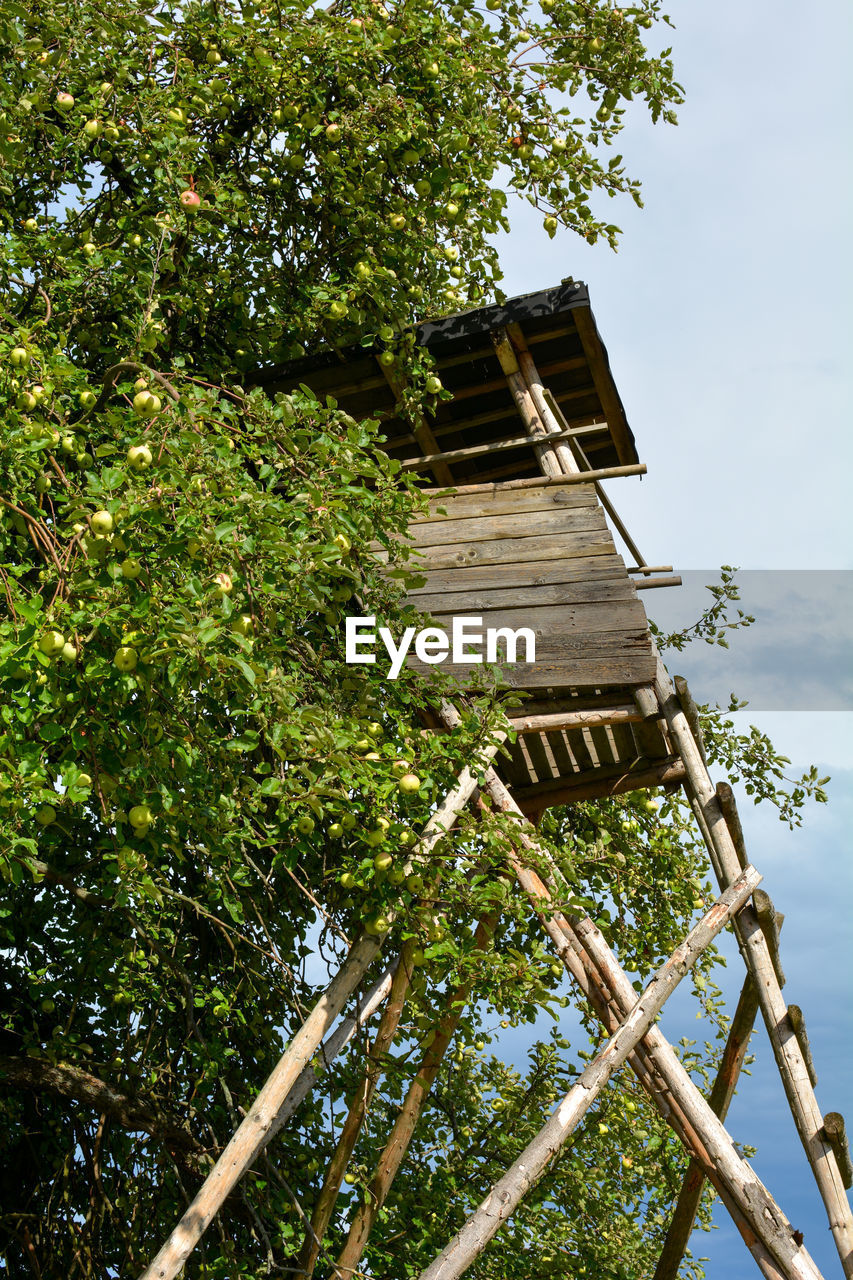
point(579, 569)
point(555, 546)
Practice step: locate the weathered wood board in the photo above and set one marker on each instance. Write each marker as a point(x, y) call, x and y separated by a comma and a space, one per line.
point(541, 559)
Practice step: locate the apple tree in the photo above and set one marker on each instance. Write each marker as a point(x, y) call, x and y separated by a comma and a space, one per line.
point(200, 804)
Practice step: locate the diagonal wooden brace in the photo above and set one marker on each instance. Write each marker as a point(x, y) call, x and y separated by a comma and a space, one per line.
point(505, 1196)
point(762, 1223)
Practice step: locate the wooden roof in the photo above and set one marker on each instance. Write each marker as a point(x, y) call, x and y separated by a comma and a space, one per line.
point(560, 330)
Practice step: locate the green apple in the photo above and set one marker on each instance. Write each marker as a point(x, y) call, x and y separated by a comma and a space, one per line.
point(387, 359)
point(343, 543)
point(651, 806)
point(140, 815)
point(415, 883)
point(51, 643)
point(337, 310)
point(45, 815)
point(31, 224)
point(89, 248)
point(145, 404)
point(64, 103)
point(349, 822)
point(83, 780)
point(68, 652)
point(433, 384)
point(347, 880)
point(102, 523)
point(93, 128)
point(243, 625)
point(399, 767)
point(383, 861)
point(139, 457)
point(87, 399)
point(409, 784)
point(407, 838)
point(374, 729)
point(397, 222)
point(131, 568)
point(126, 658)
point(213, 57)
point(336, 830)
point(305, 824)
point(333, 133)
point(19, 357)
point(377, 925)
point(223, 584)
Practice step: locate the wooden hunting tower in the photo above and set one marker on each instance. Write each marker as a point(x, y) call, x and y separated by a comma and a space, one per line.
point(517, 533)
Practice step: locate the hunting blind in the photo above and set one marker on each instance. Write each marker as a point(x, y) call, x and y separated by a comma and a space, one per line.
point(519, 534)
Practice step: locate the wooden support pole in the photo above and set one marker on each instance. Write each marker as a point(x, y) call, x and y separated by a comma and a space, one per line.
point(359, 1107)
point(562, 452)
point(524, 402)
point(653, 583)
point(484, 450)
point(329, 1049)
point(505, 1196)
point(254, 1132)
point(420, 426)
point(687, 1205)
point(691, 712)
point(404, 1126)
point(540, 482)
point(625, 714)
point(756, 952)
point(763, 1225)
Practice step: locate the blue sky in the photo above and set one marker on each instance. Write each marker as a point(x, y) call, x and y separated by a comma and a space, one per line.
point(727, 317)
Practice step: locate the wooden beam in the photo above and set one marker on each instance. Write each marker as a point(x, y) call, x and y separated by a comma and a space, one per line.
point(650, 568)
point(614, 780)
point(420, 426)
point(482, 450)
point(575, 719)
point(659, 582)
point(604, 384)
point(539, 482)
point(523, 398)
point(552, 421)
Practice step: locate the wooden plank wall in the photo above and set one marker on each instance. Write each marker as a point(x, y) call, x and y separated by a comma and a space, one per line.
point(541, 558)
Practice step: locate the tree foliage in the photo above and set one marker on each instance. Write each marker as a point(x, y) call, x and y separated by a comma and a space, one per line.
point(199, 803)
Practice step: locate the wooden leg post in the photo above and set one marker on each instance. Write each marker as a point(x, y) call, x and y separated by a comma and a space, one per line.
point(359, 1107)
point(759, 959)
point(768, 1231)
point(505, 1196)
point(404, 1126)
point(254, 1133)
